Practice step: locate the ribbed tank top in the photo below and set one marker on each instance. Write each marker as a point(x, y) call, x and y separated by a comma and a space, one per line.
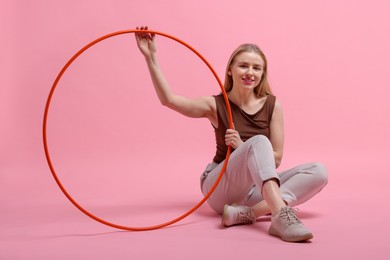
point(247, 125)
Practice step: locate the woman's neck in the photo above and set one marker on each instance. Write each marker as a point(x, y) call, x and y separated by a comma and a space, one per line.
point(242, 97)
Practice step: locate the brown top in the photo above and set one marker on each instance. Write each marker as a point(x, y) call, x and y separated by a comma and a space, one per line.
point(247, 125)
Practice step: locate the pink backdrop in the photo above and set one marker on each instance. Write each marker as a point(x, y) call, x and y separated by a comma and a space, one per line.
point(118, 151)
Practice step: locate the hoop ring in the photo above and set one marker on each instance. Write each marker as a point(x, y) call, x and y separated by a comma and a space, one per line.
point(46, 147)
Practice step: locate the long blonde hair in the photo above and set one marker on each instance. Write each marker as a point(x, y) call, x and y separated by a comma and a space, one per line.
point(264, 87)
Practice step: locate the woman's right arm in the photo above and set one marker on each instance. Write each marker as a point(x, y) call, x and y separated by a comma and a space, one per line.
point(199, 107)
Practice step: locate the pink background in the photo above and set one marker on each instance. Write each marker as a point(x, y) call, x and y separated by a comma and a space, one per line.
point(130, 161)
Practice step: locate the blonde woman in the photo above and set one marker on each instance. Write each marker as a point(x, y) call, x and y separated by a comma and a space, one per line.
point(251, 187)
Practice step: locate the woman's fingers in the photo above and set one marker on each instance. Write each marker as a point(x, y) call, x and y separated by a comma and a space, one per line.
point(145, 40)
point(232, 133)
point(232, 138)
point(140, 35)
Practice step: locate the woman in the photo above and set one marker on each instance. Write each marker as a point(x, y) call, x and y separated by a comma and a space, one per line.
point(250, 187)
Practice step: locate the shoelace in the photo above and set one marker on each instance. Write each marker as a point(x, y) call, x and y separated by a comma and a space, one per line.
point(245, 216)
point(289, 214)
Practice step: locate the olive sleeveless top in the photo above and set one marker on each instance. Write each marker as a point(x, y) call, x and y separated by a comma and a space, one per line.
point(246, 124)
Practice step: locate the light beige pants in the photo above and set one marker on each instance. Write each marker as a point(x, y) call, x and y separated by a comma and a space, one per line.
point(249, 166)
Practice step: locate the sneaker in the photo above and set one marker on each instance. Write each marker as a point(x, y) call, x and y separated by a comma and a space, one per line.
point(288, 227)
point(236, 215)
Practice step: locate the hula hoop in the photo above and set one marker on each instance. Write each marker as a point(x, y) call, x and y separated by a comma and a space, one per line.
point(46, 147)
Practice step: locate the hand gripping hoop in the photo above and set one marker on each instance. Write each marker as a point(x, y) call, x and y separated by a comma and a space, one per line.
point(46, 147)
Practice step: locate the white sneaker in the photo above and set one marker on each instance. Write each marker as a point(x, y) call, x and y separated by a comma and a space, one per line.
point(236, 215)
point(288, 227)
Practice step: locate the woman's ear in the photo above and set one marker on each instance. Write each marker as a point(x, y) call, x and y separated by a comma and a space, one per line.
point(229, 72)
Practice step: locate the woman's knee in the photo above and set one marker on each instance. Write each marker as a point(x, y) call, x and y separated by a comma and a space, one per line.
point(320, 172)
point(258, 139)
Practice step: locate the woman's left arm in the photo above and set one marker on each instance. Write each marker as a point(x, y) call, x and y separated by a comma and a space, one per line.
point(277, 133)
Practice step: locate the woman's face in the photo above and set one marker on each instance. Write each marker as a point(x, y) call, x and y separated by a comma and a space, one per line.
point(247, 70)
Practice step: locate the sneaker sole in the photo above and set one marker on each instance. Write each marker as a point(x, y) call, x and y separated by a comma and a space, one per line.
point(274, 232)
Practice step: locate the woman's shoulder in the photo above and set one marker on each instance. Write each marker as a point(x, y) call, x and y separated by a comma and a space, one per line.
point(273, 106)
point(277, 106)
point(273, 100)
point(276, 101)
point(219, 98)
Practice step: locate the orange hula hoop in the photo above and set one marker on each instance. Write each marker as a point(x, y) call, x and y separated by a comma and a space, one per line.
point(46, 147)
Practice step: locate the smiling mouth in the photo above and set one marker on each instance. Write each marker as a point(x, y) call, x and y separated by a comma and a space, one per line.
point(248, 80)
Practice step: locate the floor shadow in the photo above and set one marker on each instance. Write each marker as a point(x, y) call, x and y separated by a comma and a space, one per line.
point(304, 214)
point(99, 234)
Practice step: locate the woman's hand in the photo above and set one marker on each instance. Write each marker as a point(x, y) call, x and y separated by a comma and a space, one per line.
point(233, 138)
point(145, 42)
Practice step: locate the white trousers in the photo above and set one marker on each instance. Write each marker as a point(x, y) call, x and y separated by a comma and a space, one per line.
point(249, 166)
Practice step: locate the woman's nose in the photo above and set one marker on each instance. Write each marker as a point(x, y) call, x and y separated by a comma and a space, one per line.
point(249, 71)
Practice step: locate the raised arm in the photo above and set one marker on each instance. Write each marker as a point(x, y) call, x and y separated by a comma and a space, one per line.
point(199, 107)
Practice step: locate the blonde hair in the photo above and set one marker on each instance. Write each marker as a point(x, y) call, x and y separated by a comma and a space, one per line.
point(264, 88)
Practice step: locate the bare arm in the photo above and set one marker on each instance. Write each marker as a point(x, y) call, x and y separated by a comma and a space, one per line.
point(199, 107)
point(277, 133)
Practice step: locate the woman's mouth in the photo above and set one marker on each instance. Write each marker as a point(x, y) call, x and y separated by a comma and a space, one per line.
point(248, 80)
